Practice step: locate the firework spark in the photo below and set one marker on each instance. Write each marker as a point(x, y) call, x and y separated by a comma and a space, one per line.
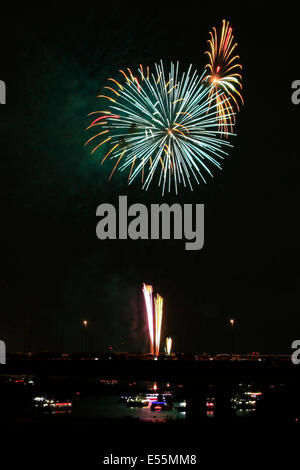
point(222, 74)
point(161, 123)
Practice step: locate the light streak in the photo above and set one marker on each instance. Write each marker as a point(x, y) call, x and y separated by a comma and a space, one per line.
point(154, 317)
point(148, 295)
point(158, 303)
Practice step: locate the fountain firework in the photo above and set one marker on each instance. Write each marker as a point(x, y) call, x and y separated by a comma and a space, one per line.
point(154, 316)
point(168, 346)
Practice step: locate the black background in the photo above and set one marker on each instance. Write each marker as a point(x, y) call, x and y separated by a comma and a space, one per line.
point(55, 272)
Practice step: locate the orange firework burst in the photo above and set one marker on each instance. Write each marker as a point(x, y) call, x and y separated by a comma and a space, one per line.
point(222, 72)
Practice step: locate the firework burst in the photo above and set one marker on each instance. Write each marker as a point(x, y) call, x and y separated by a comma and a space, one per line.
point(161, 124)
point(223, 74)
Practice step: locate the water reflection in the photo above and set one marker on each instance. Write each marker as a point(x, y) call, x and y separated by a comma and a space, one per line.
point(150, 401)
point(244, 401)
point(112, 398)
point(110, 407)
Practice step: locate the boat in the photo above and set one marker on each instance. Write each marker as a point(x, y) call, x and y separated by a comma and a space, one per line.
point(138, 401)
point(161, 406)
point(181, 406)
point(52, 405)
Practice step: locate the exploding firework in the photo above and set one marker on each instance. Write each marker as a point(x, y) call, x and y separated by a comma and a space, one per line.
point(169, 346)
point(161, 124)
point(154, 317)
point(223, 74)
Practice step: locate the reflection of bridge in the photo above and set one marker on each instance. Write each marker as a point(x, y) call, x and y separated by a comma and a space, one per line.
point(271, 369)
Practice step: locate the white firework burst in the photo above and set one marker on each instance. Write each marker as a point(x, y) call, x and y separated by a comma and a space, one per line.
point(162, 124)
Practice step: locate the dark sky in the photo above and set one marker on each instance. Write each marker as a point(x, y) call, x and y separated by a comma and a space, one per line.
point(54, 272)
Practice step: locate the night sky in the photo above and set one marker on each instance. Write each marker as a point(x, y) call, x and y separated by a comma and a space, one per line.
point(54, 272)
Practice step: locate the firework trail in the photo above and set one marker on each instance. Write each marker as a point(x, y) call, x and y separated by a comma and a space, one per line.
point(148, 295)
point(158, 303)
point(154, 317)
point(162, 123)
point(222, 73)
